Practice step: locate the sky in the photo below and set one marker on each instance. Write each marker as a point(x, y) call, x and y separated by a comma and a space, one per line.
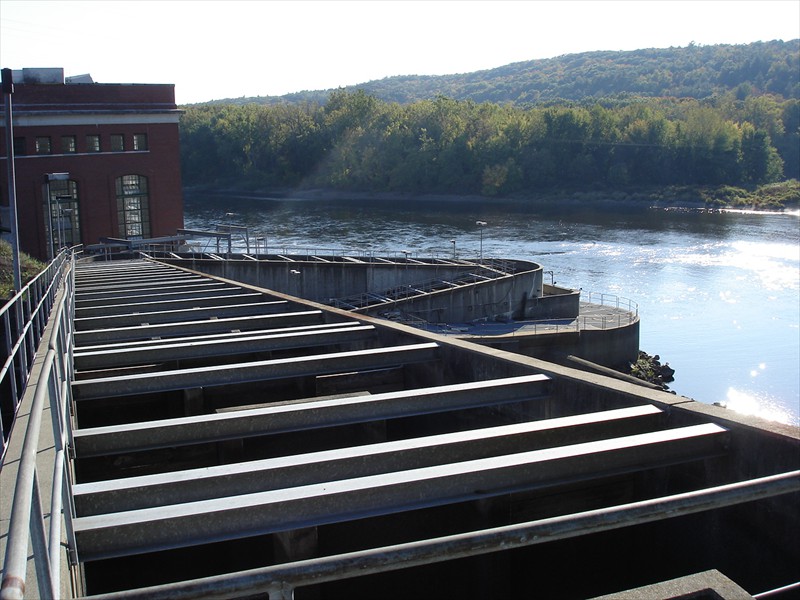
point(229, 49)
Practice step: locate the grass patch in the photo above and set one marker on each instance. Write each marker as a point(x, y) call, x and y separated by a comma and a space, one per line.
point(772, 196)
point(29, 268)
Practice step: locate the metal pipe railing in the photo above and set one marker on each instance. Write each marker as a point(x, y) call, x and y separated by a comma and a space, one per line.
point(27, 521)
point(604, 299)
point(23, 320)
point(26, 511)
point(279, 581)
point(792, 587)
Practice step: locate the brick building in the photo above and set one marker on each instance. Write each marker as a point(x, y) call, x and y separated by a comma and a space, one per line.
point(107, 155)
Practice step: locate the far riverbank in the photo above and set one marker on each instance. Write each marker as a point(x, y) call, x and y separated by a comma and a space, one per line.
point(773, 197)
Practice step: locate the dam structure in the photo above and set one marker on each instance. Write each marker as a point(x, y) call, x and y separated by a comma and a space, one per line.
point(169, 433)
point(498, 302)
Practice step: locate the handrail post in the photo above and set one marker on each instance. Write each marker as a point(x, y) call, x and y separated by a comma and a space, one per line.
point(39, 543)
point(281, 591)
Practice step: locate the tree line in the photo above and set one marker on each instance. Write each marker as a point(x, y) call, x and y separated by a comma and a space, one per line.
point(694, 71)
point(356, 142)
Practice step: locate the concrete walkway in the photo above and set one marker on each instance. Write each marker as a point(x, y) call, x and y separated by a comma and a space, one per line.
point(591, 316)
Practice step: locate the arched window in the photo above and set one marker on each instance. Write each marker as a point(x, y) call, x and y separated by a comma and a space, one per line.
point(63, 226)
point(133, 212)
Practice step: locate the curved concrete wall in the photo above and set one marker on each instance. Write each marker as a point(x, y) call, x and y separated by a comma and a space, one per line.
point(614, 348)
point(517, 296)
point(505, 298)
point(521, 296)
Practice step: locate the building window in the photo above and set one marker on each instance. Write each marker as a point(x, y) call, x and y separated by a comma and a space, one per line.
point(117, 142)
point(42, 145)
point(68, 144)
point(140, 141)
point(63, 227)
point(93, 143)
point(20, 148)
point(133, 213)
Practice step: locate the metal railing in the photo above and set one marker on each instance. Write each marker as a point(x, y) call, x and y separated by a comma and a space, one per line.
point(625, 313)
point(318, 253)
point(23, 319)
point(612, 300)
point(279, 582)
point(50, 391)
point(545, 326)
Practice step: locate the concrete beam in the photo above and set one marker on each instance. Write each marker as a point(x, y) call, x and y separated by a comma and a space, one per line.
point(334, 362)
point(132, 282)
point(233, 517)
point(180, 315)
point(306, 415)
point(127, 356)
point(143, 332)
point(206, 291)
point(88, 270)
point(159, 305)
point(134, 493)
point(115, 275)
point(140, 289)
point(154, 343)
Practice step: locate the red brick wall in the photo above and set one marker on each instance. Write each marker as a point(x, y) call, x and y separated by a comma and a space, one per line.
point(118, 95)
point(95, 174)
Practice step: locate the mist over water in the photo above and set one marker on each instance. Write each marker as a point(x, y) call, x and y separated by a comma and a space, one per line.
point(718, 292)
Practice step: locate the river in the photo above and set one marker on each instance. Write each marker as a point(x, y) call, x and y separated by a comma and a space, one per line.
point(718, 293)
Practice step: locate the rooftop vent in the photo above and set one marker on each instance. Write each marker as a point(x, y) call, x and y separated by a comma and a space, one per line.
point(85, 78)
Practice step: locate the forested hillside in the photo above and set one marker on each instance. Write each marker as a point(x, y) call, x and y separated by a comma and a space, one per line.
point(691, 72)
point(354, 141)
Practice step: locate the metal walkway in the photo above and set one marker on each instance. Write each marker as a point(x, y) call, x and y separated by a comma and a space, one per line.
point(226, 440)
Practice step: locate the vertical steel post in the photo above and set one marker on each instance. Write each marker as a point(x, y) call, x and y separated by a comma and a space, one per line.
point(50, 252)
point(8, 89)
point(481, 224)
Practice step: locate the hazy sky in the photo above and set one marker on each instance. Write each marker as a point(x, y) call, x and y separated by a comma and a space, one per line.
point(225, 49)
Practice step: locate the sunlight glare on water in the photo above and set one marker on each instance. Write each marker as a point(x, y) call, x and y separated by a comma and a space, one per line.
point(773, 264)
point(757, 405)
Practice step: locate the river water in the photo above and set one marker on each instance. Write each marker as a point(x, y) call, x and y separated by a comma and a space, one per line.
point(718, 293)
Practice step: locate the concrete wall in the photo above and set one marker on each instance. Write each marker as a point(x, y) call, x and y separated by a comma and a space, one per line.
point(321, 281)
point(523, 296)
point(510, 297)
point(501, 299)
point(612, 348)
point(555, 303)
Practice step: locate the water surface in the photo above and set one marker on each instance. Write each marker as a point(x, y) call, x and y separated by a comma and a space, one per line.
point(718, 292)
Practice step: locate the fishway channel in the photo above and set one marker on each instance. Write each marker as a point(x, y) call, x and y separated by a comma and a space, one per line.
point(189, 435)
